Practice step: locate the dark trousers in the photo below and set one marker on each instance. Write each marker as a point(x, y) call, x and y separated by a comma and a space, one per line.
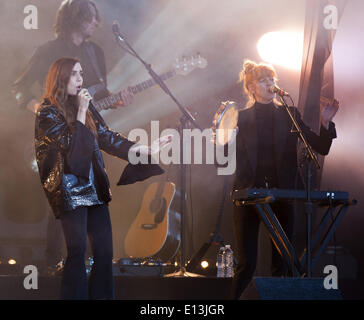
point(55, 245)
point(246, 230)
point(77, 224)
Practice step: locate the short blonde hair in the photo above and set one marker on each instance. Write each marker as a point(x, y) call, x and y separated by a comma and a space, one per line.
point(253, 72)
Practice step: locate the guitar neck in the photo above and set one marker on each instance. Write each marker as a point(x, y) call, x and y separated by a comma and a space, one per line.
point(109, 101)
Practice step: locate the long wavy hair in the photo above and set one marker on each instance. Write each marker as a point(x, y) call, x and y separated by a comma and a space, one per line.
point(251, 73)
point(71, 14)
point(56, 92)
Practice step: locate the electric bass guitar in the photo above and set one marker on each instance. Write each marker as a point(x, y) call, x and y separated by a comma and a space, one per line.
point(182, 66)
point(155, 232)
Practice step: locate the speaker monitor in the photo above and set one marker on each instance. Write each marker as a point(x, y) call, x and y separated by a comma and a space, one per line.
point(289, 289)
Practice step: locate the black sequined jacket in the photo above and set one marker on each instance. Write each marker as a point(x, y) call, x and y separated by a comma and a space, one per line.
point(70, 163)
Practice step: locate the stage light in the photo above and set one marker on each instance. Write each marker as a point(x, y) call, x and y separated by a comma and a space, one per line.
point(10, 266)
point(204, 264)
point(282, 48)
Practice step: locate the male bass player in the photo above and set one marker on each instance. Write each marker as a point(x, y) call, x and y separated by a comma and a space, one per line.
point(266, 151)
point(76, 21)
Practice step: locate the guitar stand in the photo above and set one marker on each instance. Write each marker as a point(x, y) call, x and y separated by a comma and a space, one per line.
point(281, 241)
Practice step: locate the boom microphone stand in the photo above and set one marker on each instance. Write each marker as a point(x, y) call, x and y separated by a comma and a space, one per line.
point(311, 158)
point(185, 119)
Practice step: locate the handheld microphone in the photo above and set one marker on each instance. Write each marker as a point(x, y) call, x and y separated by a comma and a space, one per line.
point(278, 90)
point(80, 89)
point(116, 30)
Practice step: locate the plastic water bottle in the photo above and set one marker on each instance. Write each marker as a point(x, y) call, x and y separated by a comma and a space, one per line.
point(229, 262)
point(220, 263)
point(89, 263)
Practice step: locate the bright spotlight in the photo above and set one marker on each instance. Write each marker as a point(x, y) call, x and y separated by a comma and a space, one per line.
point(204, 264)
point(282, 48)
point(11, 261)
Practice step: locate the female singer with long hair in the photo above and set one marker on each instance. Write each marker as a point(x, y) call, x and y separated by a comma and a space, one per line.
point(69, 134)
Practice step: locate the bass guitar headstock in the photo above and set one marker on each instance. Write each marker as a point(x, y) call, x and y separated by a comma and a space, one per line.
point(184, 65)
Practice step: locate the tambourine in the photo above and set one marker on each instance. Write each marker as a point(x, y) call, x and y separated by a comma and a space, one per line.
point(225, 121)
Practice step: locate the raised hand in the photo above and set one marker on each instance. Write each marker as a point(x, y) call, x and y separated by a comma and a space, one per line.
point(328, 112)
point(156, 146)
point(84, 99)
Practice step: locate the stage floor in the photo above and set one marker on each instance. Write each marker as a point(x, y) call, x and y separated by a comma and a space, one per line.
point(126, 288)
point(150, 288)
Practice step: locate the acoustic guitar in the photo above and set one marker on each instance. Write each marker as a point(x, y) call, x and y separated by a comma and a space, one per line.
point(155, 232)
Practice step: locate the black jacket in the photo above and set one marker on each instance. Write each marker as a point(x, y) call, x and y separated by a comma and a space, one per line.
point(285, 145)
point(62, 149)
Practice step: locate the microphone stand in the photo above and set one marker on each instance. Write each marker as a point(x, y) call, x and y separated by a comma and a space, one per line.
point(184, 120)
point(310, 157)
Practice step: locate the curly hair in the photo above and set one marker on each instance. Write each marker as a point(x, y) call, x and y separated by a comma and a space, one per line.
point(252, 72)
point(72, 13)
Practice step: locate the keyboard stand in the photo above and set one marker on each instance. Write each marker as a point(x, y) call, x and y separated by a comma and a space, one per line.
point(320, 241)
point(280, 239)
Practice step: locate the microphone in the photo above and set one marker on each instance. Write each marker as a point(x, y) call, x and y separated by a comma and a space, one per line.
point(116, 30)
point(90, 93)
point(278, 90)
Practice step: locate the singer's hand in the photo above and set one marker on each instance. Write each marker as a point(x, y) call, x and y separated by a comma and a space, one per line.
point(328, 111)
point(84, 99)
point(224, 136)
point(156, 146)
point(33, 105)
point(127, 98)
